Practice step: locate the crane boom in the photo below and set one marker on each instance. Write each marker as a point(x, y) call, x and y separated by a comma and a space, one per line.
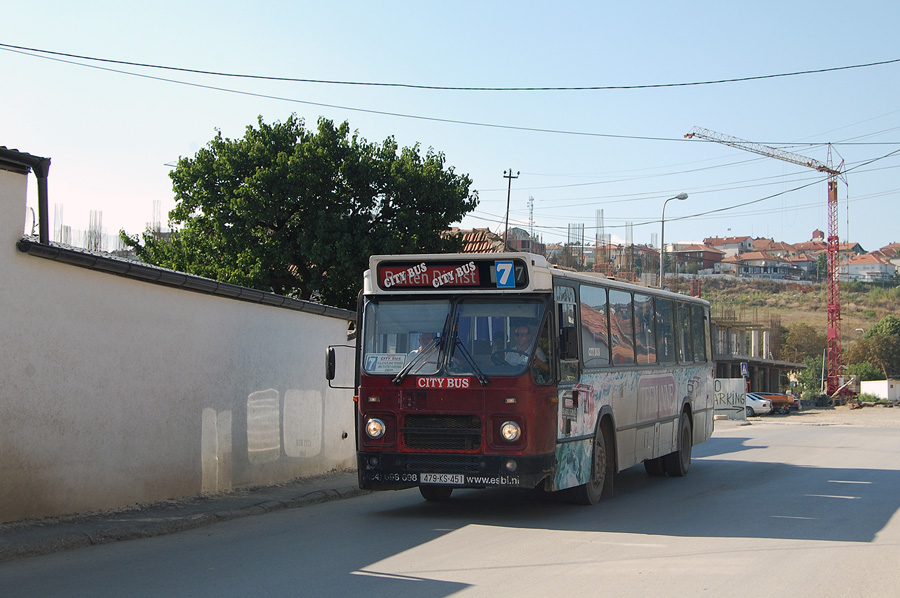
point(832, 243)
point(759, 148)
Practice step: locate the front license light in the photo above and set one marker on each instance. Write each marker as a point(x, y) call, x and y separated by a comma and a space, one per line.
point(510, 431)
point(375, 428)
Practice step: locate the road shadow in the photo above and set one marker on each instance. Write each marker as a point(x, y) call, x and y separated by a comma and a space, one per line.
point(718, 498)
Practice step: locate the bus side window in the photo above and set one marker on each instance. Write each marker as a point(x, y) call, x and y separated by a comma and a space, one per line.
point(665, 330)
point(567, 333)
point(621, 326)
point(698, 327)
point(594, 326)
point(541, 365)
point(684, 335)
point(644, 336)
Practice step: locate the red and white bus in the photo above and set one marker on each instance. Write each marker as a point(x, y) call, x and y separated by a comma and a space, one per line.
point(498, 370)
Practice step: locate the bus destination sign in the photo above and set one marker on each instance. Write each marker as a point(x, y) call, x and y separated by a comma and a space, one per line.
point(436, 276)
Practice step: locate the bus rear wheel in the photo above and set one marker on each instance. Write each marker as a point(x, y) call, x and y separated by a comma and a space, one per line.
point(602, 470)
point(678, 463)
point(436, 493)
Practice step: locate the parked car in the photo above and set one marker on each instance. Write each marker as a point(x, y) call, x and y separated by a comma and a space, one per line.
point(756, 405)
point(781, 403)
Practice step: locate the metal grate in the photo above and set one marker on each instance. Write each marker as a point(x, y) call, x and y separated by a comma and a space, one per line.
point(442, 432)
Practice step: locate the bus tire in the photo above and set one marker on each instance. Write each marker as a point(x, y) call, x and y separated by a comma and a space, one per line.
point(602, 469)
point(655, 467)
point(436, 493)
point(678, 462)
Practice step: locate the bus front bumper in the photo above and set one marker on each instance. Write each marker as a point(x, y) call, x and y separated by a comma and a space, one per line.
point(395, 471)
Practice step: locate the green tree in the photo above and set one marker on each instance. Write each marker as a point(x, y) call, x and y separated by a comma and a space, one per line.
point(298, 212)
point(865, 371)
point(888, 325)
point(810, 379)
point(801, 341)
point(821, 266)
point(879, 346)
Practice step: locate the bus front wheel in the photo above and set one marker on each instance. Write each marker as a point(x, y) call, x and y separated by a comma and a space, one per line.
point(435, 493)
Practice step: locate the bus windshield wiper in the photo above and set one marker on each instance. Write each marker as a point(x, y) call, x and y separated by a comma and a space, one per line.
point(471, 361)
point(402, 374)
point(419, 356)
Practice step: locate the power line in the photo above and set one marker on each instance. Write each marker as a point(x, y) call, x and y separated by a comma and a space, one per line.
point(452, 88)
point(743, 204)
point(353, 109)
point(48, 55)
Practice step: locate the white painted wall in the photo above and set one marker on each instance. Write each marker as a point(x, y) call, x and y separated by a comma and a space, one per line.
point(731, 398)
point(115, 391)
point(883, 389)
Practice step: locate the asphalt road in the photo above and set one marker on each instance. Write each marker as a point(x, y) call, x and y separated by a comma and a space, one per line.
point(787, 506)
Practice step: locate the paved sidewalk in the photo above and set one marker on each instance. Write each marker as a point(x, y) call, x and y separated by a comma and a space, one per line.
point(31, 538)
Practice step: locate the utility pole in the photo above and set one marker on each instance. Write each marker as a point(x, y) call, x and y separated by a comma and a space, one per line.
point(507, 174)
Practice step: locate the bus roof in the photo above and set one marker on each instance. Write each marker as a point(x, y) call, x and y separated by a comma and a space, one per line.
point(481, 273)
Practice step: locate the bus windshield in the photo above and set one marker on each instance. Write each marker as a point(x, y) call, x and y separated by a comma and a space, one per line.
point(470, 336)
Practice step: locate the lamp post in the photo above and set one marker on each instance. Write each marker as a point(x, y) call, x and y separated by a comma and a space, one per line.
point(662, 236)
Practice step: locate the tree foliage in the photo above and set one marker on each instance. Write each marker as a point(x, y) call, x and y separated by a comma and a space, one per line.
point(801, 341)
point(810, 379)
point(298, 212)
point(879, 346)
point(888, 325)
point(865, 371)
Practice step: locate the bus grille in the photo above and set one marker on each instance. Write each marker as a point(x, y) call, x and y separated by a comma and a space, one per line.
point(442, 432)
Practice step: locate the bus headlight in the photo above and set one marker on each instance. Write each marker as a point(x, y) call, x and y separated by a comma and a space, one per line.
point(375, 428)
point(510, 431)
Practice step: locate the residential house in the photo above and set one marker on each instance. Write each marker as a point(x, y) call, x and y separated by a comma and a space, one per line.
point(756, 264)
point(848, 248)
point(776, 248)
point(807, 264)
point(867, 267)
point(730, 245)
point(813, 248)
point(555, 252)
point(518, 239)
point(890, 253)
point(697, 255)
point(479, 240)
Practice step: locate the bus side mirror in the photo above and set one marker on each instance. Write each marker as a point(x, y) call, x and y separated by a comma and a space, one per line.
point(568, 342)
point(329, 363)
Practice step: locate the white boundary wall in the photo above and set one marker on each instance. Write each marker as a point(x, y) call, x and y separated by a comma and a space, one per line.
point(731, 398)
point(115, 391)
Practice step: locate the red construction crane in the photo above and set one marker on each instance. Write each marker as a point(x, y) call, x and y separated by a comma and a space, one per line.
point(832, 384)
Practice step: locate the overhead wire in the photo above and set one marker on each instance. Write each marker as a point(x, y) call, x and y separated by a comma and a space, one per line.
point(452, 88)
point(68, 58)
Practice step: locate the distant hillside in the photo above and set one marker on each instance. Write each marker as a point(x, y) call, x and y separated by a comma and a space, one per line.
point(760, 300)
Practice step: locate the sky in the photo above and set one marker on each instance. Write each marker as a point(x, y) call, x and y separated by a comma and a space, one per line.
point(606, 147)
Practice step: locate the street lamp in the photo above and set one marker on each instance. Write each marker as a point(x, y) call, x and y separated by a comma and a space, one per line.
point(662, 236)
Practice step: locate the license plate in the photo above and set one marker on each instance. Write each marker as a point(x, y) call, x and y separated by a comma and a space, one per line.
point(441, 478)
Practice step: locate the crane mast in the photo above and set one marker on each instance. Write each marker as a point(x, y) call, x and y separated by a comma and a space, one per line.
point(832, 383)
